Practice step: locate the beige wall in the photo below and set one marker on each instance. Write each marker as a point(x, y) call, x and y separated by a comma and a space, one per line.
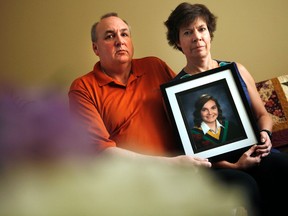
point(49, 41)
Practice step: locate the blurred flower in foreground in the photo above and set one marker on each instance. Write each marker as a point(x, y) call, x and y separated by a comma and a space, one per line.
point(38, 129)
point(114, 187)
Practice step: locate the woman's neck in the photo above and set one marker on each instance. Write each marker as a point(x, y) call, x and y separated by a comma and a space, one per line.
point(198, 66)
point(212, 126)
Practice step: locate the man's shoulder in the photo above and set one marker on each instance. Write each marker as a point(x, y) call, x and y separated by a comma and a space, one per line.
point(83, 81)
point(88, 76)
point(85, 77)
point(152, 65)
point(148, 59)
point(149, 63)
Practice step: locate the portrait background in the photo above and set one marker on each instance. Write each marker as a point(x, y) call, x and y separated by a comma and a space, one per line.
point(219, 91)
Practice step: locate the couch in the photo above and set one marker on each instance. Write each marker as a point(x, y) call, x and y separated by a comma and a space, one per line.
point(274, 94)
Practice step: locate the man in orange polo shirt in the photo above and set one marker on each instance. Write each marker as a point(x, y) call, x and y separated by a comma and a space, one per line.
point(120, 100)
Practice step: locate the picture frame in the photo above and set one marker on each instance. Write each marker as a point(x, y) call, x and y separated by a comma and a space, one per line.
point(186, 103)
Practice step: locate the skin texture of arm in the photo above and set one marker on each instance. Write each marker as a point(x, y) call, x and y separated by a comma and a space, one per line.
point(186, 160)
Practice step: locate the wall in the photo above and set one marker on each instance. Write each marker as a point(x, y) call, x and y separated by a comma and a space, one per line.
point(45, 42)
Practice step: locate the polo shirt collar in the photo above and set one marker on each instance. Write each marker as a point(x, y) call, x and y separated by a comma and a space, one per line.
point(103, 79)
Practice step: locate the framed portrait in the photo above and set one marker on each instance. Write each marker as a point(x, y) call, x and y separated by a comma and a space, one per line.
point(210, 113)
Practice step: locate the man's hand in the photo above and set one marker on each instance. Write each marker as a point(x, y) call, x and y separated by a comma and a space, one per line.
point(189, 160)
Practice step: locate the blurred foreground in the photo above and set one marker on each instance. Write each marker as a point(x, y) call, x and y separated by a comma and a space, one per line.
point(48, 168)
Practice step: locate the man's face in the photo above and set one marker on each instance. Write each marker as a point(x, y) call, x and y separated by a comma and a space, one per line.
point(114, 43)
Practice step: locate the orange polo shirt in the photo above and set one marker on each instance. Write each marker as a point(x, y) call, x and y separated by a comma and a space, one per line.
point(130, 117)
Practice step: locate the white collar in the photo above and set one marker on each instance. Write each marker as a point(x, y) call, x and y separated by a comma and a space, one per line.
point(205, 128)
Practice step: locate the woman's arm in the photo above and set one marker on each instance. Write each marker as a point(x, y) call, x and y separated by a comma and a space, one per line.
point(264, 120)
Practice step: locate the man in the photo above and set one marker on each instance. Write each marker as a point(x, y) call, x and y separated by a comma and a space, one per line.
point(120, 101)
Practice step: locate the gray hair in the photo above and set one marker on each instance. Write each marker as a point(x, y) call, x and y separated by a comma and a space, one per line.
point(94, 26)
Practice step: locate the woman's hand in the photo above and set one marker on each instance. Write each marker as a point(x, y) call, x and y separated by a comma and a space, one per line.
point(248, 159)
point(264, 149)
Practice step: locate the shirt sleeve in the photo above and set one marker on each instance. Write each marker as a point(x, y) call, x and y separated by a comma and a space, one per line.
point(82, 106)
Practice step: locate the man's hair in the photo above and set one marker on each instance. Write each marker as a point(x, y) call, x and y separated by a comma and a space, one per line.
point(94, 26)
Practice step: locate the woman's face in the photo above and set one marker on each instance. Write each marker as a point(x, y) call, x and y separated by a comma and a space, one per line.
point(209, 112)
point(195, 39)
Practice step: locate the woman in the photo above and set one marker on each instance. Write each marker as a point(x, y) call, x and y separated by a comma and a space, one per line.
point(210, 127)
point(191, 29)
